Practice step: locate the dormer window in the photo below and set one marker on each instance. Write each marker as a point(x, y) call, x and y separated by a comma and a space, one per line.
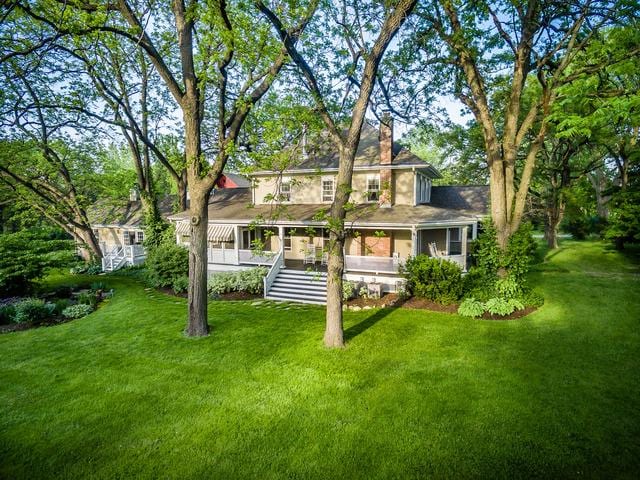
point(423, 189)
point(285, 190)
point(328, 189)
point(373, 188)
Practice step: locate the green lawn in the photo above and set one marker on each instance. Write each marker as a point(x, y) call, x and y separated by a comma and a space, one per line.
point(122, 394)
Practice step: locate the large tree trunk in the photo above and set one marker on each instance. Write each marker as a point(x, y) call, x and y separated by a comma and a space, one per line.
point(333, 334)
point(197, 323)
point(554, 215)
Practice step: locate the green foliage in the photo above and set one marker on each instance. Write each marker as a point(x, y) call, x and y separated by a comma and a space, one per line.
point(88, 298)
point(77, 311)
point(470, 307)
point(95, 286)
point(249, 281)
point(532, 298)
point(348, 290)
point(624, 218)
point(86, 269)
point(503, 306)
point(432, 278)
point(516, 260)
point(180, 284)
point(32, 310)
point(165, 263)
point(26, 256)
point(61, 304)
point(156, 231)
point(7, 314)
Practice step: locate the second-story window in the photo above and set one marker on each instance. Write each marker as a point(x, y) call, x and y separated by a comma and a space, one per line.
point(328, 189)
point(373, 189)
point(285, 190)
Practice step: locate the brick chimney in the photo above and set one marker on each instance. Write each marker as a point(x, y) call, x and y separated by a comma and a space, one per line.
point(386, 157)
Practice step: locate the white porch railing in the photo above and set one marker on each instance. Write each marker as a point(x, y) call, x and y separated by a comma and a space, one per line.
point(269, 278)
point(356, 263)
point(134, 251)
point(371, 264)
point(223, 256)
point(256, 258)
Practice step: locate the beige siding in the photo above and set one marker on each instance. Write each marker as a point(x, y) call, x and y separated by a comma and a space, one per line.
point(403, 187)
point(111, 237)
point(402, 242)
point(307, 189)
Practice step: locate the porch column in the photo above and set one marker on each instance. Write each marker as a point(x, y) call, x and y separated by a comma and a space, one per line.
point(464, 234)
point(474, 231)
point(414, 241)
point(281, 238)
point(236, 242)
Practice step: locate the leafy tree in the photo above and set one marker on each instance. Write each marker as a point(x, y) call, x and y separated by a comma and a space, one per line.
point(363, 40)
point(480, 49)
point(216, 60)
point(25, 257)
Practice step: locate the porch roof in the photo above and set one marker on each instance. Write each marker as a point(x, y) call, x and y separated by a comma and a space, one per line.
point(448, 205)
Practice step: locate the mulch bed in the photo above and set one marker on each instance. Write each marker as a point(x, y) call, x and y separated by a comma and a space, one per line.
point(392, 300)
point(239, 296)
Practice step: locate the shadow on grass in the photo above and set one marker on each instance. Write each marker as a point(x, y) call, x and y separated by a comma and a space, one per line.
point(367, 323)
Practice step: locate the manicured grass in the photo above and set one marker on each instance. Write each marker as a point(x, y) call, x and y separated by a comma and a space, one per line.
point(122, 394)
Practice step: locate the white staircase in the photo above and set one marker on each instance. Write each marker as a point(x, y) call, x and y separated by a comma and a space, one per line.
point(114, 260)
point(298, 286)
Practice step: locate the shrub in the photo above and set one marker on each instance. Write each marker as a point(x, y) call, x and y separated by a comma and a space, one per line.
point(516, 259)
point(348, 289)
point(25, 257)
point(32, 310)
point(165, 263)
point(432, 278)
point(180, 284)
point(502, 306)
point(249, 281)
point(7, 314)
point(95, 286)
point(470, 307)
point(222, 282)
point(60, 305)
point(88, 298)
point(87, 269)
point(77, 311)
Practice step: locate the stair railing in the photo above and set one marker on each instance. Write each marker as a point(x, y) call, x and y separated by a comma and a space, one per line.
point(271, 275)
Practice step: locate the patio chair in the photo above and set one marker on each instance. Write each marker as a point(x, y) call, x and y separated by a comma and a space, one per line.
point(433, 250)
point(324, 260)
point(310, 254)
point(396, 258)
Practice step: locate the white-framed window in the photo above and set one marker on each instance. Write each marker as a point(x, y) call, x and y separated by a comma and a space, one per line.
point(287, 238)
point(423, 189)
point(285, 190)
point(455, 240)
point(373, 188)
point(139, 237)
point(328, 189)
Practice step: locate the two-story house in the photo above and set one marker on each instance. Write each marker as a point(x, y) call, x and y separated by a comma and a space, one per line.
point(397, 213)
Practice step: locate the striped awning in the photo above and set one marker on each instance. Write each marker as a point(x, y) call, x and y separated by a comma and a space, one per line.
point(182, 228)
point(220, 233)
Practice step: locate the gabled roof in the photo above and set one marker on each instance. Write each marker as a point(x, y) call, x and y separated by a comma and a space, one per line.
point(124, 213)
point(323, 156)
point(233, 180)
point(449, 204)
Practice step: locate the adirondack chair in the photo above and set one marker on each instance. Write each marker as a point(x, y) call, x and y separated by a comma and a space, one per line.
point(433, 250)
point(310, 254)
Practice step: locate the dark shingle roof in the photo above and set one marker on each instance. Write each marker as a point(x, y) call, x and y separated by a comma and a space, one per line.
point(125, 213)
point(322, 155)
point(449, 204)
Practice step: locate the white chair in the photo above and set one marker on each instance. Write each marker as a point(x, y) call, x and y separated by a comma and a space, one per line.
point(433, 250)
point(396, 258)
point(310, 254)
point(325, 258)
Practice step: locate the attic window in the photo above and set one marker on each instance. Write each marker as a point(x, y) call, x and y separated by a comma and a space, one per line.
point(327, 189)
point(423, 189)
point(373, 189)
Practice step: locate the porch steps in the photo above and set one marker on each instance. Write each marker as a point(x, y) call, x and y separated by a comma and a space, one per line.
point(299, 286)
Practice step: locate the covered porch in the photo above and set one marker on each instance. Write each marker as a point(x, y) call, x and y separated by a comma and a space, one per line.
point(379, 251)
